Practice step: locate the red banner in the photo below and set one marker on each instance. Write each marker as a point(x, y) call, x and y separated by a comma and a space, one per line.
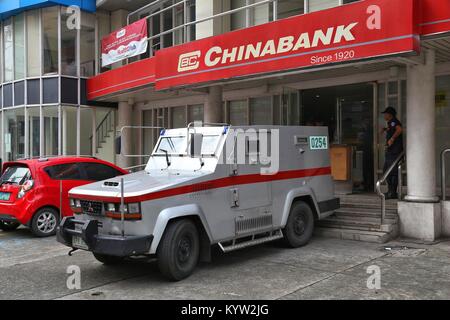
point(363, 30)
point(125, 43)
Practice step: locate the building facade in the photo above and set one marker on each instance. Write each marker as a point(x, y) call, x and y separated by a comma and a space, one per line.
point(344, 63)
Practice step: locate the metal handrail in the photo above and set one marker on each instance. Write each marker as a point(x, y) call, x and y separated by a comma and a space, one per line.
point(399, 164)
point(443, 174)
point(187, 24)
point(136, 127)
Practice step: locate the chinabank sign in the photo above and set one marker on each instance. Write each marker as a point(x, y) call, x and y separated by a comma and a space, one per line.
point(381, 28)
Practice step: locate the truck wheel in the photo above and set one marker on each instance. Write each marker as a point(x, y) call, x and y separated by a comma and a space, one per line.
point(300, 225)
point(44, 222)
point(179, 250)
point(108, 260)
point(8, 226)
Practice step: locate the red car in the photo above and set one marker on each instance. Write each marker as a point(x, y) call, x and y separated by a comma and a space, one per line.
point(30, 190)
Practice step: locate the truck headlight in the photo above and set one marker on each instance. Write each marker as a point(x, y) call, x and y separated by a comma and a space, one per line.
point(75, 204)
point(110, 207)
point(133, 208)
point(132, 211)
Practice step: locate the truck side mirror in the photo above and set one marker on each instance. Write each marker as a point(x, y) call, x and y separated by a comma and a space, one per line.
point(118, 145)
point(195, 148)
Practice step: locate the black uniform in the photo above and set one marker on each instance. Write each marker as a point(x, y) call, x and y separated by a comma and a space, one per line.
point(392, 153)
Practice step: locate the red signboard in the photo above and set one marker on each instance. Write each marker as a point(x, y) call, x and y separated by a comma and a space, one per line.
point(125, 43)
point(132, 76)
point(362, 30)
point(435, 17)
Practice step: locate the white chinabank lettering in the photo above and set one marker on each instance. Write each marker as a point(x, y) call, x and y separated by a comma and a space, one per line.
point(217, 55)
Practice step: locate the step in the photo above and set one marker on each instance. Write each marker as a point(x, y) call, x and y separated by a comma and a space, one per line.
point(366, 218)
point(364, 213)
point(357, 224)
point(360, 209)
point(276, 235)
point(369, 205)
point(356, 235)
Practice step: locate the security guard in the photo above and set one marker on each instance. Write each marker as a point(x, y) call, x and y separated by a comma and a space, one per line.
point(394, 147)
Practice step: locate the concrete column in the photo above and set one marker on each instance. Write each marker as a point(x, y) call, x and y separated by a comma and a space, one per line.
point(125, 118)
point(421, 118)
point(214, 105)
point(420, 214)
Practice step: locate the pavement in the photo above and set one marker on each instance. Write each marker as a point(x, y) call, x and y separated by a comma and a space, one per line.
point(32, 268)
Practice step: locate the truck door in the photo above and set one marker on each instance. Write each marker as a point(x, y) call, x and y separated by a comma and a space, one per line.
point(249, 197)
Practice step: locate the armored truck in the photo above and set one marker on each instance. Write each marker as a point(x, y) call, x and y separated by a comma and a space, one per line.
point(207, 186)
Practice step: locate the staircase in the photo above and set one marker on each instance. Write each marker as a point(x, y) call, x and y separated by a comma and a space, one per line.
point(359, 218)
point(105, 135)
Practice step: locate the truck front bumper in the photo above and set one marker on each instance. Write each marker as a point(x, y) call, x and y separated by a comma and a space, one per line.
point(102, 244)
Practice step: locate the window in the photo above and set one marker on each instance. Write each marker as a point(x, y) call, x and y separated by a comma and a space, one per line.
point(87, 45)
point(8, 53)
point(14, 133)
point(238, 113)
point(33, 92)
point(261, 111)
point(34, 131)
point(50, 90)
point(69, 116)
point(51, 125)
point(16, 175)
point(210, 144)
point(33, 44)
point(86, 124)
point(68, 46)
point(19, 93)
point(50, 40)
point(317, 5)
point(289, 8)
point(19, 47)
point(238, 19)
point(99, 172)
point(196, 113)
point(67, 171)
point(178, 117)
point(173, 145)
point(8, 95)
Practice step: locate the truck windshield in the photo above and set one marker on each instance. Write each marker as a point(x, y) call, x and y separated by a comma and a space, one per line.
point(173, 145)
point(177, 145)
point(15, 175)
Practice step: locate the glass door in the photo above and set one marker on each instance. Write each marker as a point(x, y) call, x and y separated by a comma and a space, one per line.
point(355, 128)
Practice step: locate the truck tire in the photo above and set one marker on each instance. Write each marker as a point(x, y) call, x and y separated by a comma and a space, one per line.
point(9, 226)
point(179, 250)
point(45, 222)
point(108, 260)
point(300, 225)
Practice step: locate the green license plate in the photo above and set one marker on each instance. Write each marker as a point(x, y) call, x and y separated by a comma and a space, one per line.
point(318, 142)
point(5, 196)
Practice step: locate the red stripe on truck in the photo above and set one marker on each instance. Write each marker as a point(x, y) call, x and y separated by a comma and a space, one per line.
point(214, 184)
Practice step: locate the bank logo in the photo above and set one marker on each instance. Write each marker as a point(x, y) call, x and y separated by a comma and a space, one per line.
point(189, 61)
point(121, 33)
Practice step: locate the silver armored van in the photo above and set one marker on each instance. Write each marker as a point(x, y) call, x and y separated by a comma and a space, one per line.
point(204, 186)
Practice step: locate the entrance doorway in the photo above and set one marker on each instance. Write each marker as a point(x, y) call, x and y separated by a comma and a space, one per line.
point(348, 112)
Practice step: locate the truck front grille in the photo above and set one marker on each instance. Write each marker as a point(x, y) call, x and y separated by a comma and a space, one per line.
point(91, 207)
